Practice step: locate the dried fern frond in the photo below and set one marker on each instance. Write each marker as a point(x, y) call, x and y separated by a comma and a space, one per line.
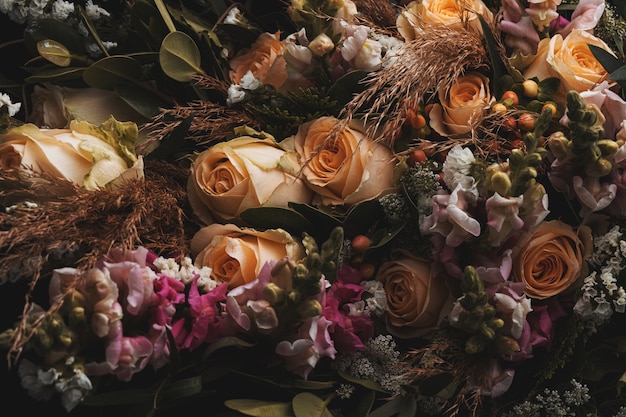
point(57, 224)
point(436, 59)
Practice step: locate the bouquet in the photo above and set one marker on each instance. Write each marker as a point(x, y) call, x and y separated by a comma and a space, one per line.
point(314, 208)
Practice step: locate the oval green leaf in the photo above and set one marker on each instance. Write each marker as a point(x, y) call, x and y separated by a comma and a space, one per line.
point(54, 52)
point(180, 57)
point(309, 405)
point(277, 217)
point(259, 408)
point(56, 74)
point(110, 71)
point(54, 29)
point(144, 102)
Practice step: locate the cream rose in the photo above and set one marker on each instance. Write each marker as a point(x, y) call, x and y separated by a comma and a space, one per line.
point(264, 59)
point(88, 156)
point(416, 301)
point(451, 13)
point(569, 59)
point(236, 255)
point(346, 170)
point(551, 258)
point(462, 105)
point(246, 172)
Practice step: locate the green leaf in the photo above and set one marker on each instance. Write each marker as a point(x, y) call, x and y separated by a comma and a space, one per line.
point(123, 397)
point(323, 222)
point(110, 71)
point(277, 217)
point(388, 409)
point(180, 57)
point(259, 408)
point(605, 58)
point(408, 407)
point(498, 67)
point(181, 388)
point(307, 404)
point(173, 143)
point(56, 74)
point(360, 217)
point(346, 87)
point(54, 29)
point(312, 385)
point(546, 88)
point(143, 101)
point(363, 405)
point(367, 383)
point(225, 342)
point(54, 52)
point(619, 74)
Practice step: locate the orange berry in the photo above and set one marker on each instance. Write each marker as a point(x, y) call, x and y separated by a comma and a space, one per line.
point(360, 243)
point(517, 144)
point(551, 106)
point(418, 156)
point(367, 270)
point(526, 122)
point(510, 123)
point(512, 95)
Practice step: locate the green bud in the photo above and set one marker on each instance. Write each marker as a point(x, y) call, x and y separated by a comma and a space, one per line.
point(44, 339)
point(487, 332)
point(608, 147)
point(474, 345)
point(274, 294)
point(500, 183)
point(310, 308)
point(527, 173)
point(534, 159)
point(599, 168)
point(505, 345)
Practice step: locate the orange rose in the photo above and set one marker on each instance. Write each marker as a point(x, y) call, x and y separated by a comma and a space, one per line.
point(462, 105)
point(416, 301)
point(236, 255)
point(570, 60)
point(243, 173)
point(551, 258)
point(350, 169)
point(451, 13)
point(264, 59)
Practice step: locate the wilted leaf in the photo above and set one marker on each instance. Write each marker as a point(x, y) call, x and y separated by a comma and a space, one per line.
point(259, 408)
point(307, 404)
point(180, 57)
point(110, 71)
point(54, 52)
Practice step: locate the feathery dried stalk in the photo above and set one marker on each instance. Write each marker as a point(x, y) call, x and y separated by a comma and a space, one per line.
point(435, 60)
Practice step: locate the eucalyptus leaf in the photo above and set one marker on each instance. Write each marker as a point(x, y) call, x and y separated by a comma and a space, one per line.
point(56, 74)
point(324, 223)
point(107, 72)
point(277, 217)
point(388, 409)
point(123, 397)
point(312, 385)
point(307, 404)
point(46, 28)
point(180, 57)
point(408, 407)
point(143, 101)
point(181, 388)
point(367, 383)
point(363, 404)
point(608, 61)
point(258, 408)
point(619, 74)
point(54, 52)
point(226, 342)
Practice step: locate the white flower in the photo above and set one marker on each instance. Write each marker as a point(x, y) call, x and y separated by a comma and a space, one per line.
point(235, 17)
point(13, 108)
point(94, 12)
point(235, 94)
point(61, 9)
point(250, 82)
point(6, 5)
point(29, 374)
point(456, 169)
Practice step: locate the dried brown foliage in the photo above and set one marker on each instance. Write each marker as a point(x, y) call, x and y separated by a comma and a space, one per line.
point(436, 59)
point(62, 225)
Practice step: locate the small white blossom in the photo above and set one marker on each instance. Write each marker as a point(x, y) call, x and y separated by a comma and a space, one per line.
point(236, 94)
point(62, 9)
point(95, 12)
point(456, 168)
point(13, 108)
point(250, 82)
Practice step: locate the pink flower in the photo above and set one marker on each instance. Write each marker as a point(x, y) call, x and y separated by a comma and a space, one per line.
point(312, 343)
point(503, 217)
point(585, 16)
point(350, 326)
point(450, 218)
point(205, 318)
point(518, 28)
point(593, 195)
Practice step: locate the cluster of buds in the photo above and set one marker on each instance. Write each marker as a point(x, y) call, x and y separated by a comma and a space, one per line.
point(518, 175)
point(585, 146)
point(294, 292)
point(474, 315)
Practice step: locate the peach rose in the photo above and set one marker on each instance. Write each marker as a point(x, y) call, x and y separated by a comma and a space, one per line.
point(264, 59)
point(569, 59)
point(347, 170)
point(462, 105)
point(88, 156)
point(450, 13)
point(243, 173)
point(416, 301)
point(236, 255)
point(551, 258)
